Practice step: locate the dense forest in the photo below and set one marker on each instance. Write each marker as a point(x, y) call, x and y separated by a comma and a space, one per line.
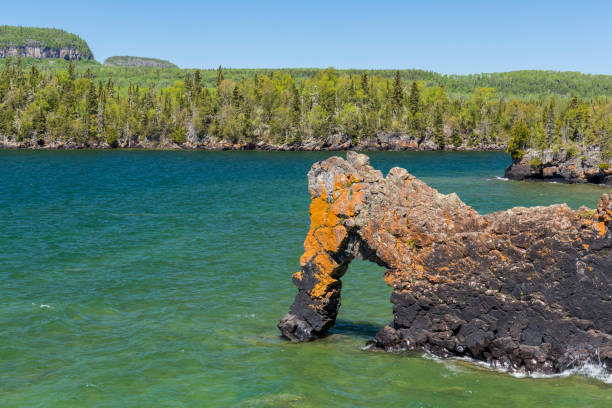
point(522, 85)
point(74, 108)
point(14, 36)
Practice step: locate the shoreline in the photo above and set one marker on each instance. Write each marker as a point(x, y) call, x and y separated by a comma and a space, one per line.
point(254, 147)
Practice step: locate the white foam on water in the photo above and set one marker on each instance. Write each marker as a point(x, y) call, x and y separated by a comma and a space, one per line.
point(502, 178)
point(43, 306)
point(596, 371)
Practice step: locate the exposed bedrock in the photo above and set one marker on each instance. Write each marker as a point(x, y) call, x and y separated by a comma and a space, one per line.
point(527, 288)
point(586, 166)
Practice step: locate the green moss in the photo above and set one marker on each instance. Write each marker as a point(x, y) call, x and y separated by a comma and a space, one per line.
point(587, 214)
point(536, 162)
point(604, 166)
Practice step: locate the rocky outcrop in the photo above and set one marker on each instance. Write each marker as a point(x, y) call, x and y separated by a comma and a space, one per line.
point(44, 52)
point(128, 61)
point(36, 42)
point(526, 289)
point(335, 142)
point(381, 141)
point(564, 166)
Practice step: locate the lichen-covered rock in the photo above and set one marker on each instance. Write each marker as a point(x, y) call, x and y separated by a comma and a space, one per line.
point(527, 288)
point(547, 165)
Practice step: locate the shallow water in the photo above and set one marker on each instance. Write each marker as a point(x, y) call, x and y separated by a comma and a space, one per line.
point(147, 278)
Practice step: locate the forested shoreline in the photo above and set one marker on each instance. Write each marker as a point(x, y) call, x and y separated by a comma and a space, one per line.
point(330, 109)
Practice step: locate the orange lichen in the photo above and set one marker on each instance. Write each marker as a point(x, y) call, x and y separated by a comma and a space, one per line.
point(601, 227)
point(330, 239)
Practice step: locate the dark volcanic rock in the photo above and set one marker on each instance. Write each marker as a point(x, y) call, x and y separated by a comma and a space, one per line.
point(527, 288)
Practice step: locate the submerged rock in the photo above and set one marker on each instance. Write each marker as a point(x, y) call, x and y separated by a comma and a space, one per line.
point(527, 288)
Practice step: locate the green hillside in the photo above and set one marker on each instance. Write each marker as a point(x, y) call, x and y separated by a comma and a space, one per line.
point(512, 85)
point(129, 61)
point(14, 36)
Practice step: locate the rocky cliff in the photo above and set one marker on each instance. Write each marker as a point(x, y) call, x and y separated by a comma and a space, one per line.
point(43, 52)
point(563, 165)
point(525, 289)
point(37, 42)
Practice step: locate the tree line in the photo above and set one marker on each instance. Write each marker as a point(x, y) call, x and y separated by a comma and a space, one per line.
point(66, 107)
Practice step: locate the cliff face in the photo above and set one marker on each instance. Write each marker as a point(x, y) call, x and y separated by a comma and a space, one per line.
point(43, 52)
point(582, 167)
point(527, 288)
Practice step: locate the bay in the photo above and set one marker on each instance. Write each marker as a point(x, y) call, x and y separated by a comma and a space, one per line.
point(156, 278)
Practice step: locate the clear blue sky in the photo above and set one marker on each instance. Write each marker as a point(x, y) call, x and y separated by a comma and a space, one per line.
point(444, 36)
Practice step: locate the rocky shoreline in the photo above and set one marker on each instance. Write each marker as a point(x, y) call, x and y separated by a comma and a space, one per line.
point(527, 289)
point(562, 166)
point(335, 142)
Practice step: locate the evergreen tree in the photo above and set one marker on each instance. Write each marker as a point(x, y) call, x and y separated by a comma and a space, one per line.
point(364, 83)
point(220, 76)
point(414, 98)
point(92, 99)
point(197, 82)
point(397, 97)
point(71, 74)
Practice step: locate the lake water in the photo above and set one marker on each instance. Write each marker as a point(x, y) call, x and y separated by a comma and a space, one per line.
point(154, 278)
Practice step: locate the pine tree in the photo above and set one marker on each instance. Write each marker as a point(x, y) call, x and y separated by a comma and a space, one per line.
point(219, 76)
point(188, 85)
point(365, 86)
point(296, 106)
point(40, 123)
point(414, 98)
point(34, 77)
point(397, 97)
point(110, 88)
point(197, 82)
point(71, 74)
point(236, 97)
point(92, 99)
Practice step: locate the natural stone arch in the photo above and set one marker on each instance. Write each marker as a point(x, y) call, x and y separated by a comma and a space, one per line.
point(527, 287)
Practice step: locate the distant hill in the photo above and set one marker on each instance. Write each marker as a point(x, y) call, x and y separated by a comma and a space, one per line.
point(128, 61)
point(42, 43)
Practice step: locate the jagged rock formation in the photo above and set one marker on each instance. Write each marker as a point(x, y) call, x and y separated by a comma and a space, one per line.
point(37, 42)
point(548, 165)
point(128, 61)
point(527, 288)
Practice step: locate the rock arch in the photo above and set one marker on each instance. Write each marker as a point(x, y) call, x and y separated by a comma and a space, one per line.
point(524, 288)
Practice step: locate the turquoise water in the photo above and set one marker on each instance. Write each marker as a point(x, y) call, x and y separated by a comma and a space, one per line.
point(150, 278)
